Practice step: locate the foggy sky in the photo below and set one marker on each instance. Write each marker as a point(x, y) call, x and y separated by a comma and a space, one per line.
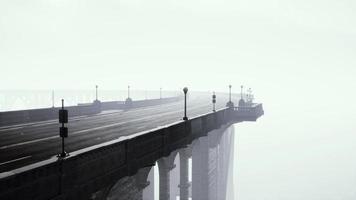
point(298, 56)
point(49, 44)
point(298, 51)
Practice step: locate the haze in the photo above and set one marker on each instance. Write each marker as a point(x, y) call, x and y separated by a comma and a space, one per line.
point(297, 56)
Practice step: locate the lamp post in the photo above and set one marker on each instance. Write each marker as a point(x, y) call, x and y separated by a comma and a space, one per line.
point(52, 98)
point(63, 131)
point(230, 86)
point(96, 93)
point(160, 93)
point(128, 101)
point(185, 90)
point(229, 103)
point(249, 92)
point(242, 102)
point(214, 101)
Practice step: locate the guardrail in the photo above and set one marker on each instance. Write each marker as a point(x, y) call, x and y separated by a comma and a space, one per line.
point(35, 115)
point(249, 113)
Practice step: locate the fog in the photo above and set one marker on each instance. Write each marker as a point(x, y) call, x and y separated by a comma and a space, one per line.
point(297, 56)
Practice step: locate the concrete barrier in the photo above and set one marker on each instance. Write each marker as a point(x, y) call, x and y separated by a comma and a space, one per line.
point(36, 115)
point(113, 105)
point(196, 125)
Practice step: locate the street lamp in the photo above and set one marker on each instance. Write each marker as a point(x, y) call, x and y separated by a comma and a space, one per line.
point(230, 86)
point(185, 90)
point(96, 93)
point(128, 101)
point(242, 102)
point(249, 92)
point(229, 103)
point(52, 98)
point(214, 101)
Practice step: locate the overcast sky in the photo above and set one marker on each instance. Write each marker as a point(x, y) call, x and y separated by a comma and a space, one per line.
point(265, 44)
point(291, 52)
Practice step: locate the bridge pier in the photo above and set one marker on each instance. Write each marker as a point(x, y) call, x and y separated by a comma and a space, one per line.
point(165, 165)
point(214, 140)
point(130, 188)
point(226, 164)
point(184, 184)
point(149, 191)
point(200, 169)
point(174, 180)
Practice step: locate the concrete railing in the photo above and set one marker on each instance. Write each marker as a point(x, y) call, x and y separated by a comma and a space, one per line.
point(249, 113)
point(35, 115)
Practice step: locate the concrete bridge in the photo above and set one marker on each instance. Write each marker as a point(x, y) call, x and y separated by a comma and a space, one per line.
point(112, 160)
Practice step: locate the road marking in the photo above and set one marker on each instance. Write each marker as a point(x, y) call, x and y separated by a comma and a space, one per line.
point(11, 129)
point(96, 128)
point(18, 159)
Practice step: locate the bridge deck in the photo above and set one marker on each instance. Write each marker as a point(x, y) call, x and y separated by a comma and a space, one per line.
point(29, 143)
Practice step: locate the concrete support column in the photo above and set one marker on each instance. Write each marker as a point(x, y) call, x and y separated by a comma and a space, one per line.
point(129, 187)
point(214, 158)
point(165, 165)
point(141, 181)
point(174, 179)
point(200, 169)
point(227, 164)
point(148, 192)
point(184, 184)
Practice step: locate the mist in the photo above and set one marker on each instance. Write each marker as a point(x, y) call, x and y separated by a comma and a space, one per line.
point(297, 56)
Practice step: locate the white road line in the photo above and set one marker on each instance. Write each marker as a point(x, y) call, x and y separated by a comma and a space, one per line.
point(91, 129)
point(11, 129)
point(11, 161)
point(27, 142)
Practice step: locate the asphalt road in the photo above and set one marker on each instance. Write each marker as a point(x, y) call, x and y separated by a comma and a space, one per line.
point(24, 144)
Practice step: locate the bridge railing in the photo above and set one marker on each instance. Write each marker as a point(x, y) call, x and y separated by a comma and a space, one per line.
point(35, 115)
point(249, 113)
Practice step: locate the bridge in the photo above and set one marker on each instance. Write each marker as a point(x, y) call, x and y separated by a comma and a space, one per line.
point(112, 149)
